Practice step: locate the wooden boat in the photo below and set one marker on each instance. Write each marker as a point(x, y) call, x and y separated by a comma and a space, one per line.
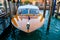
point(28, 18)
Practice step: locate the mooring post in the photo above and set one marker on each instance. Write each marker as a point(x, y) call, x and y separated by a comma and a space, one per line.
point(14, 7)
point(57, 8)
point(9, 3)
point(3, 17)
point(10, 11)
point(44, 8)
point(5, 4)
point(18, 3)
point(54, 6)
point(58, 4)
point(49, 19)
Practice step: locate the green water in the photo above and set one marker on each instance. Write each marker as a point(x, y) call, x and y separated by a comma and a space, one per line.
point(39, 34)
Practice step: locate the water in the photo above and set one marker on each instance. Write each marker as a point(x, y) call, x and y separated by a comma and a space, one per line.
point(39, 34)
point(4, 23)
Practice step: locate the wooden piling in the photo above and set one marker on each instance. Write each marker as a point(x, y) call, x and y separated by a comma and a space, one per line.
point(5, 4)
point(49, 19)
point(44, 8)
point(10, 8)
point(57, 11)
point(3, 17)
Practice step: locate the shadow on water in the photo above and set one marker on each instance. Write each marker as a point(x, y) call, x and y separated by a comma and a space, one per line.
point(20, 35)
point(31, 36)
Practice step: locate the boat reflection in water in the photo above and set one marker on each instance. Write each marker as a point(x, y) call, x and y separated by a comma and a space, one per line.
point(28, 18)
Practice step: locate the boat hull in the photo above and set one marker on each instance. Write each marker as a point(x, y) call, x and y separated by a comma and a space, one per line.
point(35, 22)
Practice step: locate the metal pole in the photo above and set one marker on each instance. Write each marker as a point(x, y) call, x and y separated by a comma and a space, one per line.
point(49, 19)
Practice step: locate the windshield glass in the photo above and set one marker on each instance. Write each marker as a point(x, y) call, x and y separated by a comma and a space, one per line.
point(24, 11)
point(34, 11)
point(30, 11)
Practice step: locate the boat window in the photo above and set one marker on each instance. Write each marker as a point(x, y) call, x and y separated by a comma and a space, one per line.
point(31, 11)
point(34, 11)
point(24, 11)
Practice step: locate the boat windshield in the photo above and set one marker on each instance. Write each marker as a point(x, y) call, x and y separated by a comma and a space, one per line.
point(34, 11)
point(24, 11)
point(28, 11)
